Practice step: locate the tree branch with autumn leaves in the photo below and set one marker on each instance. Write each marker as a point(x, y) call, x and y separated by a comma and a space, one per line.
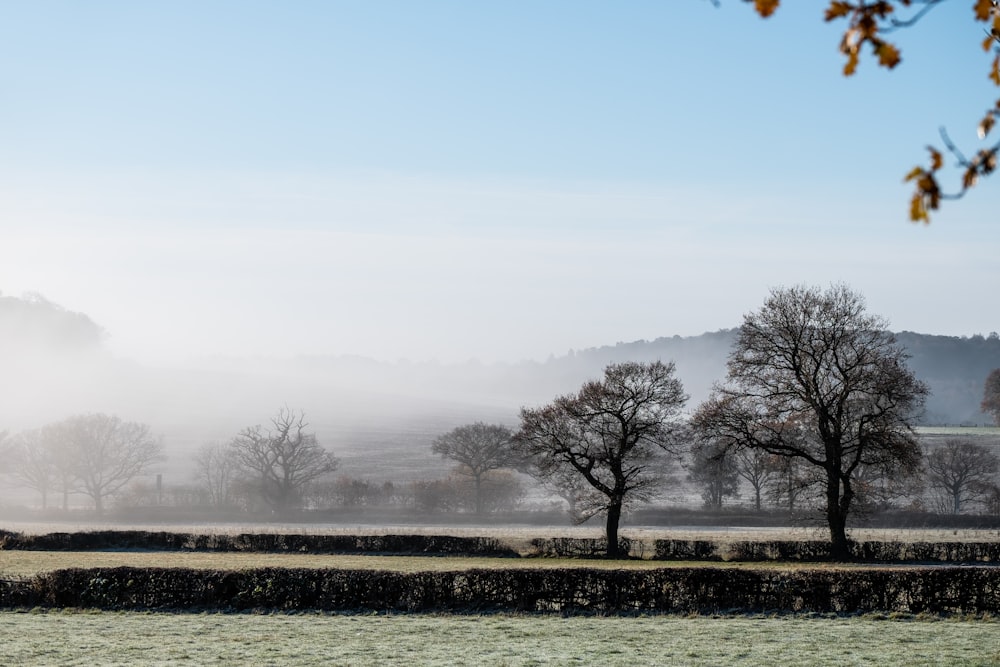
point(867, 24)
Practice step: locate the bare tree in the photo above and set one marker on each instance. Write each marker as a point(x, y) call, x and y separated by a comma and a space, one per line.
point(614, 433)
point(282, 460)
point(478, 449)
point(714, 471)
point(757, 468)
point(991, 396)
point(962, 472)
point(814, 377)
point(32, 462)
point(791, 481)
point(107, 453)
point(215, 472)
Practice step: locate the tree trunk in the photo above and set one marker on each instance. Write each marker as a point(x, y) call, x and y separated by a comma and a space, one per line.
point(479, 495)
point(611, 531)
point(837, 507)
point(98, 504)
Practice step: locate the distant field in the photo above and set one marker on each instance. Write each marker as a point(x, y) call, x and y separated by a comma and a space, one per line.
point(112, 638)
point(519, 534)
point(978, 431)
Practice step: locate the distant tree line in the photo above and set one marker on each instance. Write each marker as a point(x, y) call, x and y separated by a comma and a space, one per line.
point(816, 413)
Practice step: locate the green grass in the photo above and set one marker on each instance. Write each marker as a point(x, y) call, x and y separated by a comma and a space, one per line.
point(28, 563)
point(84, 638)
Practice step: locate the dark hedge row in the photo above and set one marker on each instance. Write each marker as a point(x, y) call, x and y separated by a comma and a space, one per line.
point(574, 547)
point(941, 590)
point(445, 545)
point(791, 550)
point(258, 543)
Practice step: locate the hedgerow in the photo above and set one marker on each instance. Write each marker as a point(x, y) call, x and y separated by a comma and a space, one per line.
point(912, 590)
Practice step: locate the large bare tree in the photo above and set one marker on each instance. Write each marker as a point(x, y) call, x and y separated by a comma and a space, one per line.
point(478, 449)
point(282, 460)
point(614, 433)
point(962, 472)
point(107, 453)
point(814, 377)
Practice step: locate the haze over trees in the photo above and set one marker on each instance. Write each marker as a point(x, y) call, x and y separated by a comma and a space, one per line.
point(95, 454)
point(869, 25)
point(281, 461)
point(479, 449)
point(758, 468)
point(814, 377)
point(614, 433)
point(108, 453)
point(215, 473)
point(962, 472)
point(714, 472)
point(34, 461)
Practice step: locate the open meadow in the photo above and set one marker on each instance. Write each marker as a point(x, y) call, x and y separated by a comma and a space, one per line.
point(129, 638)
point(17, 563)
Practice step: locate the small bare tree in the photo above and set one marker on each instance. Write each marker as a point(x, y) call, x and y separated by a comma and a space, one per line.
point(757, 468)
point(714, 472)
point(792, 481)
point(962, 472)
point(282, 460)
point(478, 449)
point(215, 472)
point(33, 463)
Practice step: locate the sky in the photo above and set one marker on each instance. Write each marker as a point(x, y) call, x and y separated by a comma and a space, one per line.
point(451, 180)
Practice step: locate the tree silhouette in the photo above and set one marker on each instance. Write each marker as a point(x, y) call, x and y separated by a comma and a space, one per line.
point(614, 434)
point(813, 377)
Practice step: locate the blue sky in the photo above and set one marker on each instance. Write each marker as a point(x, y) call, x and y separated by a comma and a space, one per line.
point(456, 180)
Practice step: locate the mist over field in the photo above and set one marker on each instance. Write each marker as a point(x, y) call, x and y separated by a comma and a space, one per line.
point(379, 418)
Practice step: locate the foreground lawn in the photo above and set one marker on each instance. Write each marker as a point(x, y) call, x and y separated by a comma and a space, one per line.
point(122, 638)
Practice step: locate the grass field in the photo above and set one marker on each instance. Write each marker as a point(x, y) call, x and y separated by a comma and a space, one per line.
point(27, 563)
point(82, 638)
point(521, 535)
point(76, 637)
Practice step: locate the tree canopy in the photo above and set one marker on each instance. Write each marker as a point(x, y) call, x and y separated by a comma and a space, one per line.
point(613, 434)
point(815, 378)
point(478, 448)
point(282, 460)
point(869, 25)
